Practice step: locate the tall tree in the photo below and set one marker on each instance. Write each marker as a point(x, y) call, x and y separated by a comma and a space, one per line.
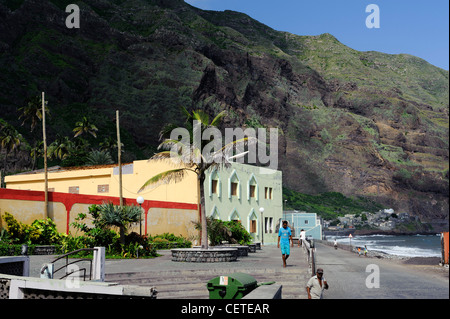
point(61, 148)
point(33, 111)
point(10, 140)
point(85, 126)
point(190, 159)
point(36, 152)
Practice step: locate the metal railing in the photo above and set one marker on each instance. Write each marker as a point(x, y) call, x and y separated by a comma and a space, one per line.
point(67, 263)
point(308, 246)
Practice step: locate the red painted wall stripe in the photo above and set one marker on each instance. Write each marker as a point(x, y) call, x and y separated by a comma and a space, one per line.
point(70, 199)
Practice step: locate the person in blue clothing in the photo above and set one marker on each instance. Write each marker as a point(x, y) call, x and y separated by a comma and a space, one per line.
point(284, 239)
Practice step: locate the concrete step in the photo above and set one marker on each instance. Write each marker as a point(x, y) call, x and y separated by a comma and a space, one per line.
point(287, 279)
point(191, 283)
point(195, 287)
point(201, 292)
point(208, 274)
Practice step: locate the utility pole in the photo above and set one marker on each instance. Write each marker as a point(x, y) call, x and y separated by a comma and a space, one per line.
point(45, 159)
point(119, 149)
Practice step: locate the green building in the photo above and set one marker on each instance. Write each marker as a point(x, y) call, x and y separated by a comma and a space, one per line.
point(241, 192)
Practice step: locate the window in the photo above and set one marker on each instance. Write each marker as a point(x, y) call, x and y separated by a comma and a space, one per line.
point(306, 222)
point(268, 225)
point(234, 186)
point(214, 183)
point(252, 188)
point(234, 189)
point(268, 192)
point(253, 226)
point(103, 189)
point(74, 189)
point(252, 191)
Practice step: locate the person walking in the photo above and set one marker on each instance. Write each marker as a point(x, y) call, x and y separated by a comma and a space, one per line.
point(284, 238)
point(302, 237)
point(316, 285)
point(365, 250)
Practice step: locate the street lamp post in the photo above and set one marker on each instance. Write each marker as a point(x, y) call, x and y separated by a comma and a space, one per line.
point(262, 225)
point(140, 201)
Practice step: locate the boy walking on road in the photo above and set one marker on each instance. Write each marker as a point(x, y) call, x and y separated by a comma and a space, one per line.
point(284, 237)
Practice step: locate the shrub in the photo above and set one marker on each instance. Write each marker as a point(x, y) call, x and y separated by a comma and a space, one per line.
point(231, 231)
point(168, 241)
point(42, 231)
point(10, 249)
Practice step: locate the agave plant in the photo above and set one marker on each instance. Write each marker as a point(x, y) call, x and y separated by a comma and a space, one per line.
point(99, 158)
point(123, 217)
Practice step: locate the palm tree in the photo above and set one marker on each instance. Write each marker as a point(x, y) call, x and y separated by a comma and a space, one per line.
point(36, 152)
point(10, 139)
point(33, 111)
point(61, 148)
point(109, 144)
point(85, 126)
point(186, 154)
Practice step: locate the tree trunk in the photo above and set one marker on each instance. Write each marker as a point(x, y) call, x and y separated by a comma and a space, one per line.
point(201, 188)
point(122, 235)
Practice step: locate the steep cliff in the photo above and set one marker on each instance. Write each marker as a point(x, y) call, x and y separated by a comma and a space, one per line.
point(358, 123)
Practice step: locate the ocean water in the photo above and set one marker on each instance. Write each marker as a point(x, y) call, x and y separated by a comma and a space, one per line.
point(405, 246)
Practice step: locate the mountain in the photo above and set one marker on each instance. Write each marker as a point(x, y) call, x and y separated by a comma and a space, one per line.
point(359, 123)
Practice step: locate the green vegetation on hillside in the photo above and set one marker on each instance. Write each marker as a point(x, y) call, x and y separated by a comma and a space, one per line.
point(329, 205)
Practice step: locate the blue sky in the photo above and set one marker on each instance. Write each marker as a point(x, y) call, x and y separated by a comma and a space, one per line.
point(419, 28)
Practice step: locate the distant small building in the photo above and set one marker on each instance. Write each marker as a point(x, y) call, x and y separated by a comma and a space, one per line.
point(309, 222)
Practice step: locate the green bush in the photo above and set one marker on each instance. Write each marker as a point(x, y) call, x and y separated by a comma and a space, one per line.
point(169, 241)
point(10, 249)
point(231, 231)
point(40, 232)
point(238, 233)
point(101, 234)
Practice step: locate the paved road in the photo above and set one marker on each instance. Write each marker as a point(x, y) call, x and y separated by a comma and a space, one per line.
point(346, 275)
point(188, 280)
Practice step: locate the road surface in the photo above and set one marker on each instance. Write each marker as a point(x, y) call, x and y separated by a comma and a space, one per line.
point(347, 274)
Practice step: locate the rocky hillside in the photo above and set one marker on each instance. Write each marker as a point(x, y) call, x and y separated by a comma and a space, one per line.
point(358, 123)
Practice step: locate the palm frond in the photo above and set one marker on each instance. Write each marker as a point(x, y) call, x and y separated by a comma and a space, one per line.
point(186, 112)
point(216, 121)
point(201, 116)
point(175, 175)
point(166, 130)
point(227, 150)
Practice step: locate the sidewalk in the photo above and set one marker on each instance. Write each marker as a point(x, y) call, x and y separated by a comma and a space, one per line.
point(188, 280)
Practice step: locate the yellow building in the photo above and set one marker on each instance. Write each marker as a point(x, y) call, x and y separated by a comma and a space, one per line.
point(103, 180)
point(168, 208)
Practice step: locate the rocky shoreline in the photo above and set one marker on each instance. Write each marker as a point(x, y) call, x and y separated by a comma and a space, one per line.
point(368, 232)
point(382, 255)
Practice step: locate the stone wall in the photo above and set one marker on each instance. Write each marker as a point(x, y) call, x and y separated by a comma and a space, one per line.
point(205, 255)
point(15, 287)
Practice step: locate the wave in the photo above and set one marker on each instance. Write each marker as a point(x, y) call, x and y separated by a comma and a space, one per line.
point(407, 251)
point(404, 246)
